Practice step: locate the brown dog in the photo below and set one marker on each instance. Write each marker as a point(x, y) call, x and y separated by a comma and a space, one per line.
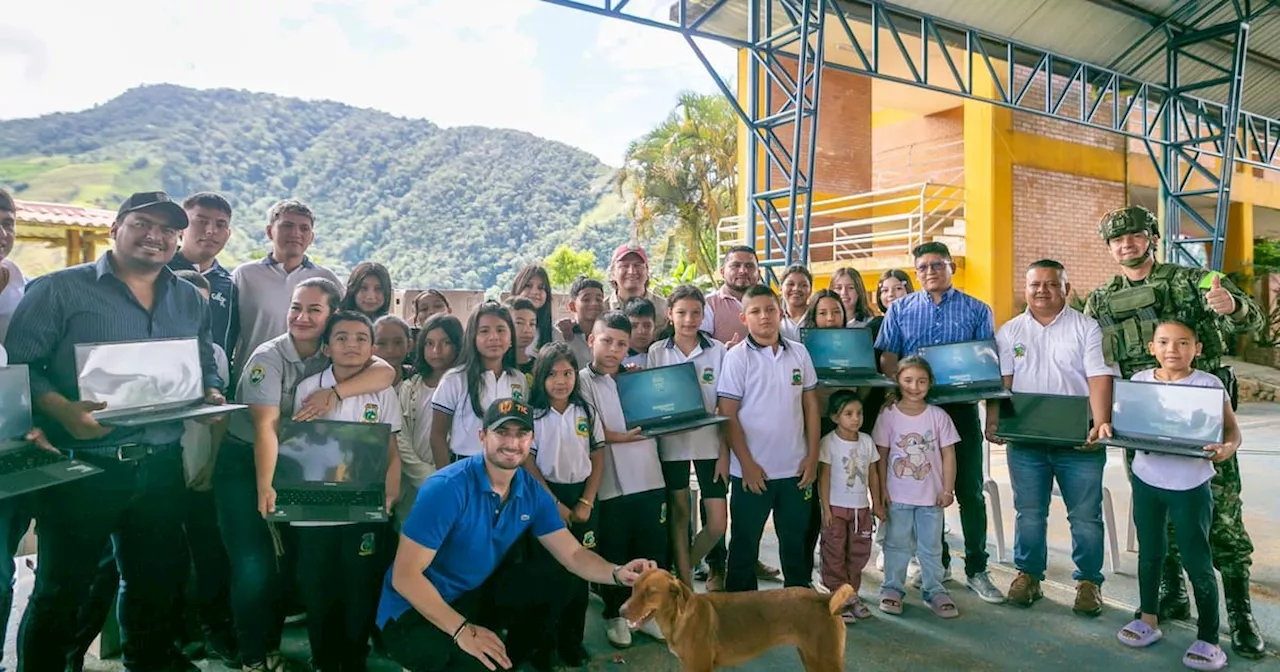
point(717, 630)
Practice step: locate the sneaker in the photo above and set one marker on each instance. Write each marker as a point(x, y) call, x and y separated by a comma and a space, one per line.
point(917, 579)
point(1088, 599)
point(618, 632)
point(1024, 590)
point(650, 627)
point(700, 572)
point(766, 573)
point(880, 561)
point(913, 572)
point(981, 584)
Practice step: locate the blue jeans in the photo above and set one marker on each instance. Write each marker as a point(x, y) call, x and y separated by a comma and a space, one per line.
point(1032, 470)
point(925, 524)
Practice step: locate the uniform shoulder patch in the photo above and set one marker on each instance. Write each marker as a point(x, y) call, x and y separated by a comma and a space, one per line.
point(256, 374)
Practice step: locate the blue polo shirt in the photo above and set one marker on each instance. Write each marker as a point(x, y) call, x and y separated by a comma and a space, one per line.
point(915, 321)
point(223, 301)
point(458, 514)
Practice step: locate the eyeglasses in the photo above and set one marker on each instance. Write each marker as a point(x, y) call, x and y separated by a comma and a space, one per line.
point(934, 266)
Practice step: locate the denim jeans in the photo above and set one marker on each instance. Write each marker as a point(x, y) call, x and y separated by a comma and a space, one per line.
point(15, 519)
point(925, 523)
point(1032, 470)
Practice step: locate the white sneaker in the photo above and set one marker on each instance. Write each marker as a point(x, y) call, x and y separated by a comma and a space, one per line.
point(650, 627)
point(917, 577)
point(879, 551)
point(618, 632)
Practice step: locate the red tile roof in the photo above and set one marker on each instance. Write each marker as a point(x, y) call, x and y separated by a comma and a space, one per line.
point(58, 214)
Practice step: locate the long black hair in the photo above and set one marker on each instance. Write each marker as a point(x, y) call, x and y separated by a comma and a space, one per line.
point(548, 356)
point(470, 360)
point(368, 269)
point(523, 279)
point(810, 320)
point(452, 328)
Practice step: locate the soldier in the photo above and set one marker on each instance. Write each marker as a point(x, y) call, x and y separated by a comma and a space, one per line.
point(1128, 308)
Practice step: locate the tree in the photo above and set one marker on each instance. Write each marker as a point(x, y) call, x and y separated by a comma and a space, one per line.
point(685, 169)
point(565, 264)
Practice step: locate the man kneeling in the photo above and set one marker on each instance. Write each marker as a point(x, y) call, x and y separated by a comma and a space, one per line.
point(462, 571)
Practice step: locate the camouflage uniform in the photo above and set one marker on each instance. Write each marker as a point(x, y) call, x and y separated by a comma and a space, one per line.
point(1128, 312)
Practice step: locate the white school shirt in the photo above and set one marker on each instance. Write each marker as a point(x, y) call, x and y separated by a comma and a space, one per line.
point(849, 462)
point(769, 384)
point(631, 467)
point(1057, 358)
point(1174, 472)
point(197, 438)
point(11, 295)
point(562, 443)
point(789, 329)
point(452, 397)
point(707, 356)
point(414, 439)
point(380, 407)
point(4, 357)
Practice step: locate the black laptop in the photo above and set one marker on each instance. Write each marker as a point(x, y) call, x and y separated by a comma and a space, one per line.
point(331, 472)
point(25, 466)
point(145, 382)
point(664, 400)
point(1160, 418)
point(965, 372)
point(844, 357)
point(1044, 419)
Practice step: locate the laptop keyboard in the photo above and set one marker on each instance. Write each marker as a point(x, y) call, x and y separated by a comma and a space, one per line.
point(329, 498)
point(27, 460)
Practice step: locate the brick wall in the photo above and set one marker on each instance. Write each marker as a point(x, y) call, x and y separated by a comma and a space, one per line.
point(1055, 216)
point(927, 148)
point(843, 162)
point(1028, 122)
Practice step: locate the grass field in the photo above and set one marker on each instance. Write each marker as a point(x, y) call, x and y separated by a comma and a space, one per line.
point(59, 179)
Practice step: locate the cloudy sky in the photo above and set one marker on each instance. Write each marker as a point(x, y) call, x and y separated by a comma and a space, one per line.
point(592, 82)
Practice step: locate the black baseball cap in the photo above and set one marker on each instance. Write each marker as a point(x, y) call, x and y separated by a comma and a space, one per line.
point(146, 200)
point(502, 411)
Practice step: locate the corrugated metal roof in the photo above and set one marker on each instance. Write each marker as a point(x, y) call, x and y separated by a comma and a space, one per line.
point(57, 214)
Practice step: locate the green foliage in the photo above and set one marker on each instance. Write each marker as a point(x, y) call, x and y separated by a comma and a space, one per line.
point(448, 208)
point(565, 265)
point(682, 273)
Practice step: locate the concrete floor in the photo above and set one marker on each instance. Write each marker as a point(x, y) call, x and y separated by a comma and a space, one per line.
point(1045, 637)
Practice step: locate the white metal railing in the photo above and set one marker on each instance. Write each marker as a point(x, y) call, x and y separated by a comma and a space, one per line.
point(928, 161)
point(884, 222)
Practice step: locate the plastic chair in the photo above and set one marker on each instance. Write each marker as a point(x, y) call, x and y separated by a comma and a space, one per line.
point(1109, 524)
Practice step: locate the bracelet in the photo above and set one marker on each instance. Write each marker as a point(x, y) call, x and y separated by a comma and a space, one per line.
point(585, 503)
point(336, 394)
point(616, 569)
point(461, 625)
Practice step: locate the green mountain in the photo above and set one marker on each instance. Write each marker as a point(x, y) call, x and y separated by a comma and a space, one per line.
point(443, 207)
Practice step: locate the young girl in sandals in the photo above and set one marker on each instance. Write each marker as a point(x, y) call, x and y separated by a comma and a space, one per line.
point(1174, 487)
point(849, 492)
point(917, 466)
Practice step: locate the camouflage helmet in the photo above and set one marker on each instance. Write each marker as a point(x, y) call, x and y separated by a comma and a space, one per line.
point(1129, 219)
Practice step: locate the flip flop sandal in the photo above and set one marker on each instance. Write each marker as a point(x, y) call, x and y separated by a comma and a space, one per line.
point(1138, 635)
point(1205, 656)
point(891, 603)
point(942, 606)
point(860, 609)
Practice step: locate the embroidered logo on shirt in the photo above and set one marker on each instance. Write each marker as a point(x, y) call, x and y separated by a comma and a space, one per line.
point(589, 539)
point(1019, 350)
point(368, 544)
point(516, 394)
point(256, 374)
point(524, 517)
point(708, 376)
point(808, 493)
point(581, 429)
point(796, 379)
point(370, 412)
point(662, 514)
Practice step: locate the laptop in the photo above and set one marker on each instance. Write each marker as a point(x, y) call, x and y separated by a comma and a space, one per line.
point(24, 466)
point(1159, 418)
point(145, 382)
point(844, 357)
point(331, 472)
point(1051, 419)
point(965, 372)
point(664, 400)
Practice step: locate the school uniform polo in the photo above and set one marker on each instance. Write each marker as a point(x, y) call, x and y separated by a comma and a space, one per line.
point(271, 377)
point(453, 397)
point(563, 442)
point(579, 347)
point(769, 384)
point(631, 467)
point(1054, 358)
point(263, 291)
point(707, 357)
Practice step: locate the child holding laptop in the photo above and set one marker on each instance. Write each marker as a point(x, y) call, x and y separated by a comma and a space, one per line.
point(1175, 487)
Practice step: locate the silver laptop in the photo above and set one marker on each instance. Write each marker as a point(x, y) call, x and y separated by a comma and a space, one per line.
point(1172, 419)
point(24, 466)
point(145, 382)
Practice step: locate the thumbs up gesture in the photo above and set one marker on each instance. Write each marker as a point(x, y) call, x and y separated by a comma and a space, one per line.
point(1219, 299)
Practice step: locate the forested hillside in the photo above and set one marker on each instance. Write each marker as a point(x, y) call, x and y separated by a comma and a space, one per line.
point(452, 208)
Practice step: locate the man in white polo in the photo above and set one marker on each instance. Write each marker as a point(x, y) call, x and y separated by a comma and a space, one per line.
point(1053, 349)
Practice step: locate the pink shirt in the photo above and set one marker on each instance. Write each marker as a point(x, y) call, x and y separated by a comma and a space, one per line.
point(915, 458)
point(722, 317)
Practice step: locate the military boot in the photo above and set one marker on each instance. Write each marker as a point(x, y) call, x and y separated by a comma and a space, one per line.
point(1174, 604)
point(1246, 641)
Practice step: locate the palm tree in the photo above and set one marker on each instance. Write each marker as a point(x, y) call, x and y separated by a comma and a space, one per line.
point(685, 170)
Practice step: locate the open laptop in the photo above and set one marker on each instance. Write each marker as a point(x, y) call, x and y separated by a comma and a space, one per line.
point(965, 372)
point(145, 382)
point(1160, 418)
point(25, 466)
point(844, 357)
point(331, 472)
point(664, 400)
point(1047, 419)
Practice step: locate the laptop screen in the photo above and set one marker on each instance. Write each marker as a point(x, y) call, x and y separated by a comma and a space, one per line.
point(963, 363)
point(1183, 412)
point(140, 374)
point(1046, 416)
point(325, 452)
point(656, 395)
point(840, 348)
point(15, 404)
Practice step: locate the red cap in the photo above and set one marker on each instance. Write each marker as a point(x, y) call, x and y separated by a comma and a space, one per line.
point(630, 248)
